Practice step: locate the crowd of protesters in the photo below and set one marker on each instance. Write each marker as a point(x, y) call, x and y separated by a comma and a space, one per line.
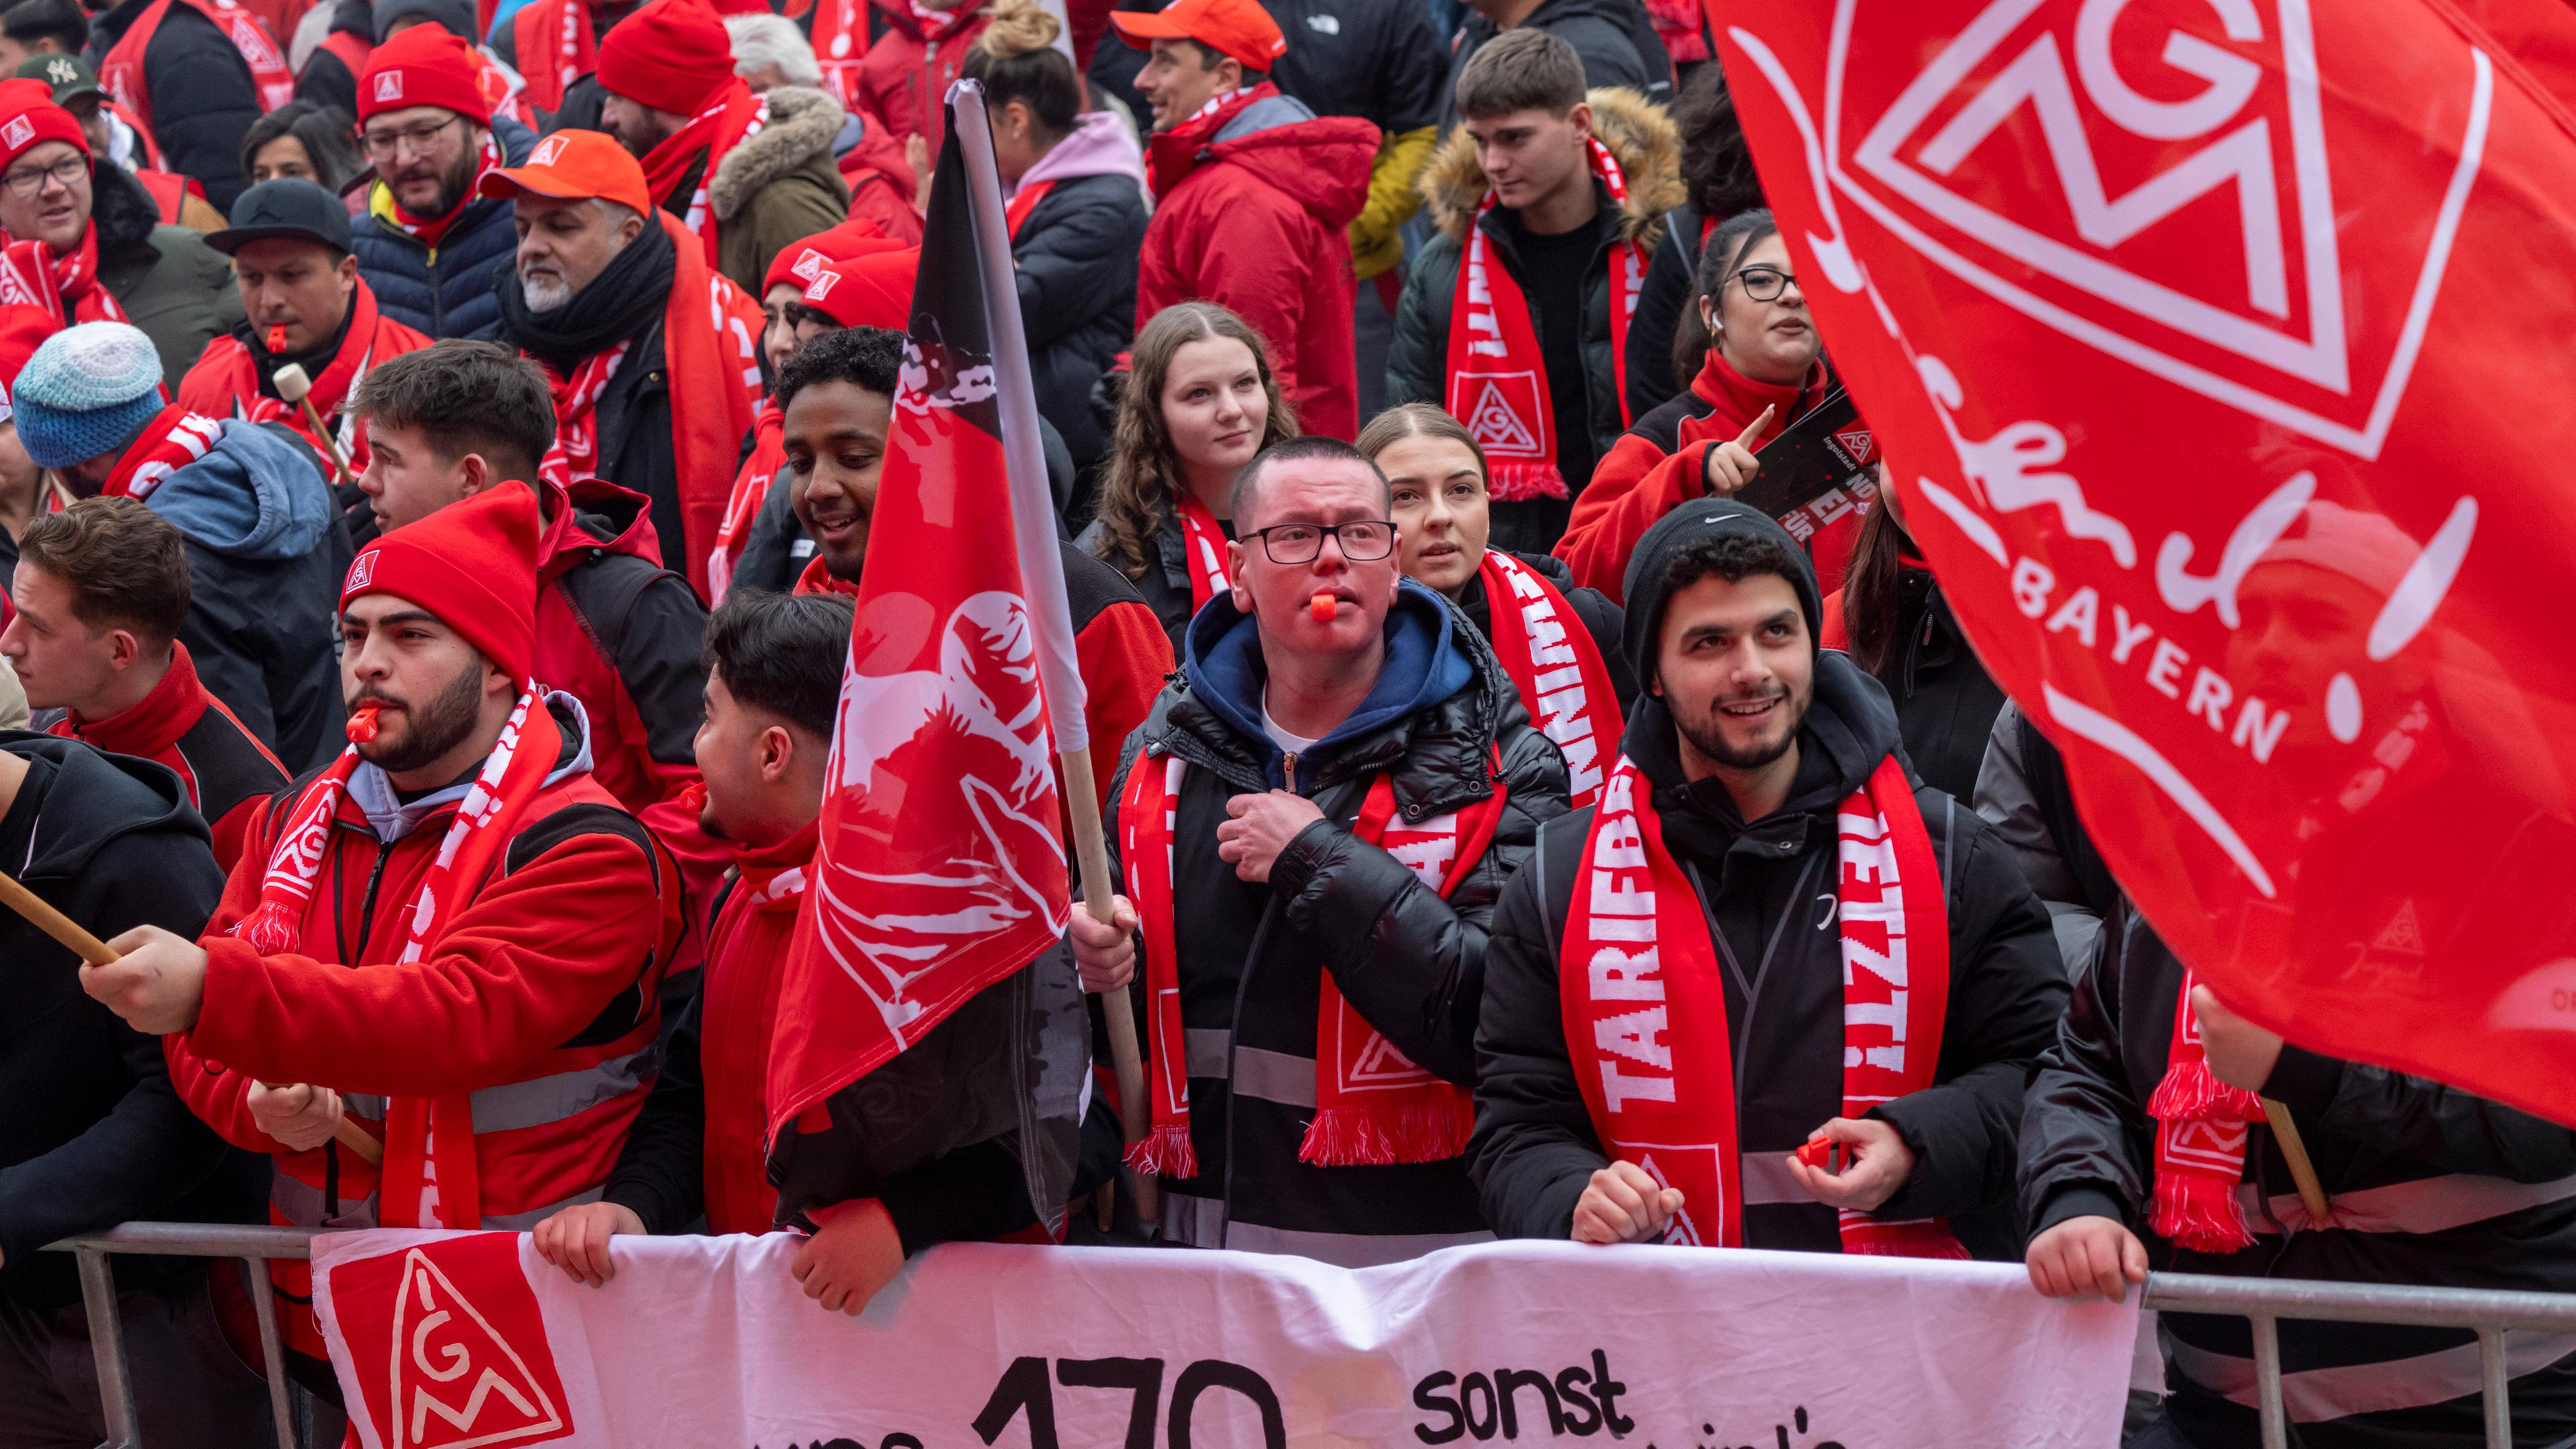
point(438, 450)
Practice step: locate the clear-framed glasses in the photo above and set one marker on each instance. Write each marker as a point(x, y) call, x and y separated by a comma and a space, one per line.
point(381, 142)
point(1765, 284)
point(1363, 540)
point(28, 180)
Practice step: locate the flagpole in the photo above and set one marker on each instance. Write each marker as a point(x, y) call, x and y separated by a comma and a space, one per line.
point(1042, 575)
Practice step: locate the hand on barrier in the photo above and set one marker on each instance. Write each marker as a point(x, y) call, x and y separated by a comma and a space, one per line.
point(157, 983)
point(1624, 1204)
point(2240, 1053)
point(576, 1239)
point(295, 1115)
point(1876, 1162)
point(2085, 1256)
point(1726, 467)
point(856, 1253)
point(1105, 951)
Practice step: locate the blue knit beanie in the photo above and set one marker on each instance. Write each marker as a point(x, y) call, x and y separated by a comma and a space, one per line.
point(88, 391)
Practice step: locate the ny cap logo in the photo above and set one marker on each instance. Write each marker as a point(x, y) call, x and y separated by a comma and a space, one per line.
point(389, 85)
point(548, 150)
point(60, 71)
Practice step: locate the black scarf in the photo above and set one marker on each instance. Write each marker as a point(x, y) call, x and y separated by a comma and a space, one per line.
point(625, 300)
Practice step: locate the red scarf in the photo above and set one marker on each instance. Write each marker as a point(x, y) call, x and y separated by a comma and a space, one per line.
point(818, 578)
point(428, 231)
point(750, 492)
point(1203, 540)
point(1372, 1105)
point(1498, 375)
point(840, 43)
point(431, 1178)
point(65, 284)
point(121, 70)
point(2201, 1128)
point(1175, 153)
point(226, 379)
point(1015, 212)
point(575, 455)
point(1564, 684)
point(555, 47)
point(1645, 1006)
point(732, 116)
point(171, 441)
point(737, 1014)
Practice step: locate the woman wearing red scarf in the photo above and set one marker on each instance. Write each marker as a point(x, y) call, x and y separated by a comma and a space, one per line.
point(1765, 367)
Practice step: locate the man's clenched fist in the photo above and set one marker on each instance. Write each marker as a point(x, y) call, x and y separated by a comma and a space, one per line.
point(157, 983)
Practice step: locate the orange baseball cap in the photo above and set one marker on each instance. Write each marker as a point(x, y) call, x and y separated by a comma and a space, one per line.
point(1237, 28)
point(569, 164)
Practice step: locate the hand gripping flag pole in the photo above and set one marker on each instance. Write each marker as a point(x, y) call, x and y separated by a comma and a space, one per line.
point(1042, 572)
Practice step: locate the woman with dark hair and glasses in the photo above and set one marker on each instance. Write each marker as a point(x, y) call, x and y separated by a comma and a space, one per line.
point(301, 139)
point(1763, 369)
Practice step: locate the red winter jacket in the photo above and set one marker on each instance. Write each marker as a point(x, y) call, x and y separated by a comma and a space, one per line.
point(539, 999)
point(1252, 206)
point(881, 183)
point(228, 772)
point(908, 68)
point(1657, 464)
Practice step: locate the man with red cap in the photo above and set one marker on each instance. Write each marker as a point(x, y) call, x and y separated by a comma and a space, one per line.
point(749, 174)
point(511, 919)
point(196, 73)
point(613, 295)
point(431, 244)
point(1253, 198)
point(86, 243)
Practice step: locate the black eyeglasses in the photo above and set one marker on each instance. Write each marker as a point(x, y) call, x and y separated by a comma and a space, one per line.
point(29, 180)
point(1363, 540)
point(1765, 284)
point(380, 144)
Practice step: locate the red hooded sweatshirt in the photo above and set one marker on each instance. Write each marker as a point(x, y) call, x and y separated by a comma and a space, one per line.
point(912, 60)
point(1252, 202)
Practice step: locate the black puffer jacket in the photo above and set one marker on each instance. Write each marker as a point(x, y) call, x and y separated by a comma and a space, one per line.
point(1945, 700)
point(451, 295)
point(203, 99)
point(1410, 962)
point(1077, 278)
point(1165, 583)
point(2429, 1185)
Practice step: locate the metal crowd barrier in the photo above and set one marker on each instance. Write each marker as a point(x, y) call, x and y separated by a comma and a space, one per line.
point(2262, 1302)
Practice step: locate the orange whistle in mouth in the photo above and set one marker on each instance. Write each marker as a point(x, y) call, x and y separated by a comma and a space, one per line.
point(277, 339)
point(362, 725)
point(1323, 607)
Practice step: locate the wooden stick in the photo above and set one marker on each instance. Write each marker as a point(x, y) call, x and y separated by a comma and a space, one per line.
point(296, 388)
point(1091, 849)
point(2312, 1193)
point(95, 951)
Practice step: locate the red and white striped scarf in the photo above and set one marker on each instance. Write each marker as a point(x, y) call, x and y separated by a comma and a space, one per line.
point(575, 455)
point(1645, 1004)
point(733, 116)
point(840, 44)
point(1564, 683)
point(1203, 541)
point(2202, 1125)
point(750, 491)
point(65, 284)
point(1373, 1106)
point(1497, 371)
point(168, 443)
point(430, 1175)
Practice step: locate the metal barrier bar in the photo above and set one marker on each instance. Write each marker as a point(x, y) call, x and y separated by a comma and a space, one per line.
point(107, 1344)
point(252, 1247)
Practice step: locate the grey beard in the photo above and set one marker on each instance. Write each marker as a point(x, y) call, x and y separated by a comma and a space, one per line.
point(545, 292)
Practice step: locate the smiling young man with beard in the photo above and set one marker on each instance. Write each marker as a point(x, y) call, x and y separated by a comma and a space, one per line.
point(1766, 936)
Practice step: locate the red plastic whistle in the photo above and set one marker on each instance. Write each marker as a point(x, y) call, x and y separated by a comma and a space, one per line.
point(1323, 607)
point(277, 339)
point(362, 725)
point(1818, 1154)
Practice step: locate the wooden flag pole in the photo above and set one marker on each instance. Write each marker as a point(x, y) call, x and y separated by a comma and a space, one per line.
point(1091, 849)
point(2294, 1150)
point(295, 387)
point(95, 951)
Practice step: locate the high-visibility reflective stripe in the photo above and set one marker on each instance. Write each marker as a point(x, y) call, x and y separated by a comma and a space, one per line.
point(2426, 1205)
point(522, 1222)
point(1207, 1051)
point(1266, 1076)
point(2312, 1395)
point(1767, 1180)
point(301, 1204)
point(540, 1100)
point(1196, 1222)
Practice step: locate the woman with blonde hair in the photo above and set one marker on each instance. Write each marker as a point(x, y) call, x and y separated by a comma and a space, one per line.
point(1200, 401)
point(1559, 643)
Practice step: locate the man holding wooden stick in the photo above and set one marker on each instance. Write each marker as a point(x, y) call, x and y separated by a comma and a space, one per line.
point(452, 934)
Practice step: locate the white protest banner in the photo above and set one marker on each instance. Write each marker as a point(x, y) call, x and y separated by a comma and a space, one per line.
point(471, 1341)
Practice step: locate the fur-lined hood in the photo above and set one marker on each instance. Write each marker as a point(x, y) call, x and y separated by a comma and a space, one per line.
point(1641, 138)
point(802, 124)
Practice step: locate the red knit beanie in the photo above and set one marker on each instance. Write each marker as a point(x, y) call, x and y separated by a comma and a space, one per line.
point(874, 290)
point(473, 564)
point(423, 66)
point(671, 55)
point(29, 117)
point(797, 261)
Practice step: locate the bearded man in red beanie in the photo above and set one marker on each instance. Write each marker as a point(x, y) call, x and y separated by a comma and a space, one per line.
point(614, 296)
point(749, 174)
point(512, 919)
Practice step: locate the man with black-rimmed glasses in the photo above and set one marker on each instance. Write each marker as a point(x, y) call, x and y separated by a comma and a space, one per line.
point(1315, 821)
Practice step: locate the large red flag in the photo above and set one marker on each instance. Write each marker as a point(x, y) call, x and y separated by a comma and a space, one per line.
point(939, 867)
point(2220, 349)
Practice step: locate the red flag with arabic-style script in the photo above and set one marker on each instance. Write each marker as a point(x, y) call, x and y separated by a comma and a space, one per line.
point(2220, 353)
point(939, 867)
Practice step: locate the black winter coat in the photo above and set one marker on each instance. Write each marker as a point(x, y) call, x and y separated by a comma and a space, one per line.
point(1615, 38)
point(2490, 1192)
point(203, 99)
point(1409, 961)
point(1077, 276)
point(326, 80)
point(1165, 583)
point(1945, 700)
point(1767, 889)
point(1661, 304)
point(95, 1135)
point(451, 296)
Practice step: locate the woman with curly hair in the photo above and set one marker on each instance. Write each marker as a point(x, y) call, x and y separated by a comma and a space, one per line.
point(1200, 401)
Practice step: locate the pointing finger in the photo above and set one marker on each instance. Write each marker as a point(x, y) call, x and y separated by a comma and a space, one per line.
point(1745, 438)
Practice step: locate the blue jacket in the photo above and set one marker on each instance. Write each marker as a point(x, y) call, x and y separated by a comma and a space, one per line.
point(452, 295)
point(266, 554)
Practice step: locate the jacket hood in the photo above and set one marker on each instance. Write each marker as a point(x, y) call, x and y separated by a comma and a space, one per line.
point(117, 795)
point(803, 123)
point(1425, 664)
point(1641, 138)
point(120, 209)
point(1320, 163)
point(591, 518)
point(252, 496)
point(1099, 144)
point(371, 795)
point(1695, 522)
